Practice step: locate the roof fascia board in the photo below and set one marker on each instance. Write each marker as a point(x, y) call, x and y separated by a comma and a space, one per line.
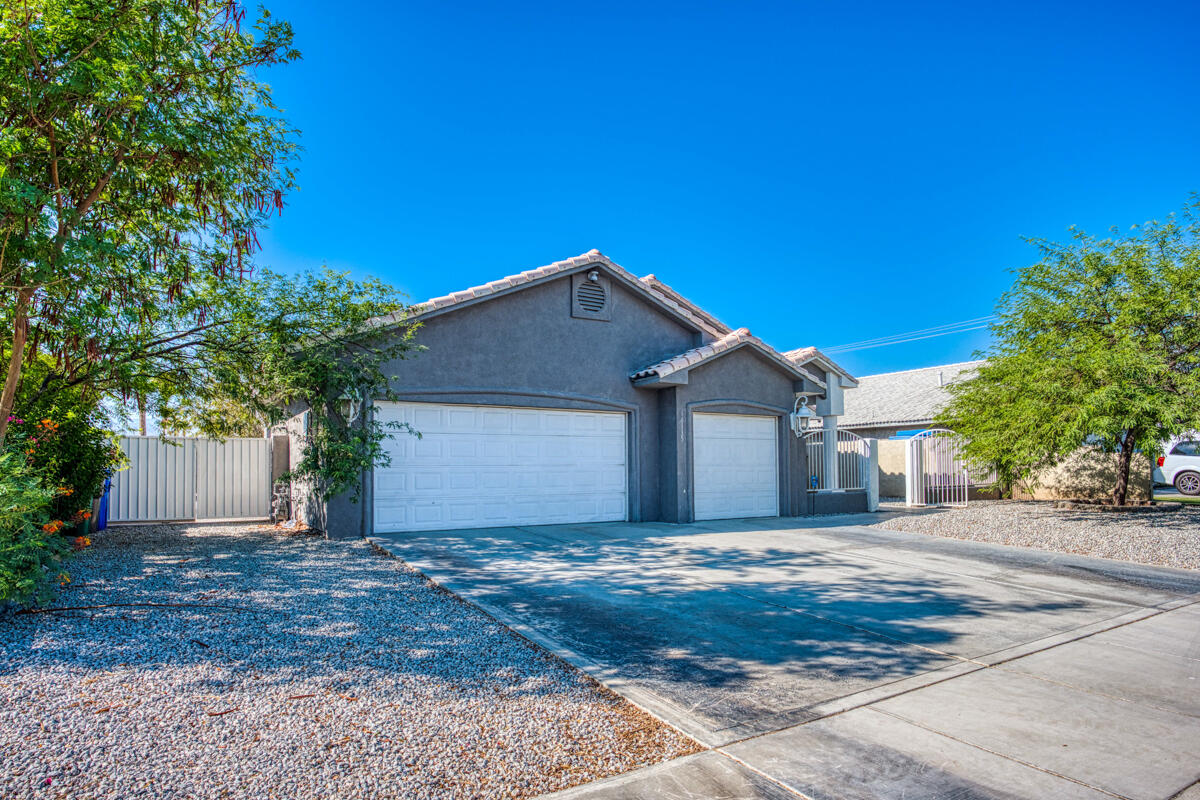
point(679, 378)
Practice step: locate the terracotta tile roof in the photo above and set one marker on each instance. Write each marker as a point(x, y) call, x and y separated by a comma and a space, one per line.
point(913, 396)
point(654, 283)
point(668, 298)
point(805, 355)
point(734, 339)
point(801, 355)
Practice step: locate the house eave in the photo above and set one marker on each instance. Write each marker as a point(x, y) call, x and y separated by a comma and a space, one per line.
point(594, 260)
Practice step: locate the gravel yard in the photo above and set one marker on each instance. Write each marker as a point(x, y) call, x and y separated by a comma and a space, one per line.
point(245, 663)
point(1168, 539)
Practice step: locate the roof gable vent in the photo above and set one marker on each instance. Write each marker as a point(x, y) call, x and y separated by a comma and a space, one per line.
point(591, 297)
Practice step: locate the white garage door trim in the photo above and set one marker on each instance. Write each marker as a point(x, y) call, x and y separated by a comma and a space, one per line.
point(735, 466)
point(494, 466)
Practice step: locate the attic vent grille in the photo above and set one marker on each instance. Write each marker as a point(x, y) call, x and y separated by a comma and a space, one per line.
point(590, 297)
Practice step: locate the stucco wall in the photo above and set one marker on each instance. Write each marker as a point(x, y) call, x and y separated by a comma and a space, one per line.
point(849, 502)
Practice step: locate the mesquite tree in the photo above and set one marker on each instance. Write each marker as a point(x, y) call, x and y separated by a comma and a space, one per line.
point(1097, 344)
point(137, 152)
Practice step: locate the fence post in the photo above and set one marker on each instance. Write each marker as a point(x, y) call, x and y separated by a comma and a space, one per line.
point(829, 444)
point(912, 471)
point(872, 477)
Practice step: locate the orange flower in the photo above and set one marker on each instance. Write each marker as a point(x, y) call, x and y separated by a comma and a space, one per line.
point(63, 578)
point(53, 526)
point(65, 491)
point(85, 514)
point(82, 542)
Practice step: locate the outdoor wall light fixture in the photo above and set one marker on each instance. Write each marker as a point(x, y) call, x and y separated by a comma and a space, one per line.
point(801, 415)
point(594, 276)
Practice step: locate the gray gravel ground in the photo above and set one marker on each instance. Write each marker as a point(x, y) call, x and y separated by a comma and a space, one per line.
point(1170, 539)
point(311, 669)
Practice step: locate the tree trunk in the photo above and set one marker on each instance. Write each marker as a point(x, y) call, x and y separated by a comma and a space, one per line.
point(1123, 463)
point(20, 331)
point(141, 403)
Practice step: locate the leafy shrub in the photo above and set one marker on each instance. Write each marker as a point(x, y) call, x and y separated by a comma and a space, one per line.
point(29, 547)
point(62, 435)
point(71, 454)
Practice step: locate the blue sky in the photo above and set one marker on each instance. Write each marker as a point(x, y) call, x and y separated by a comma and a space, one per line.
point(820, 173)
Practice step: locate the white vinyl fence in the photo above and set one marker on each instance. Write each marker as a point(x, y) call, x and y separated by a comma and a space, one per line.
point(185, 478)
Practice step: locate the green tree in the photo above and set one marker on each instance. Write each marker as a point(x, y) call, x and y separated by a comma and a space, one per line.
point(1098, 343)
point(137, 153)
point(276, 345)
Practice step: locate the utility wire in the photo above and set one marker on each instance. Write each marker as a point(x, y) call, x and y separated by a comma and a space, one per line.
point(979, 323)
point(917, 332)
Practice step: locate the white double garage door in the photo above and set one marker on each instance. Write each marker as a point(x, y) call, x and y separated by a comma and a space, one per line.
point(493, 466)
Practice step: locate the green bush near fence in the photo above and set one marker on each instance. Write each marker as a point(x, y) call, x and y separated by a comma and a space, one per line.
point(31, 548)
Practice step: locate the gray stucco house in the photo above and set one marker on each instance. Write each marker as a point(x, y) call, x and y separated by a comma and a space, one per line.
point(578, 392)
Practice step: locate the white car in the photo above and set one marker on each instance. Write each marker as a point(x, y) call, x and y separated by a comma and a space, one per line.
point(1180, 467)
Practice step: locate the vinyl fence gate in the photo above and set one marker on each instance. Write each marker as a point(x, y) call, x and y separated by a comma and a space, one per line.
point(935, 470)
point(187, 478)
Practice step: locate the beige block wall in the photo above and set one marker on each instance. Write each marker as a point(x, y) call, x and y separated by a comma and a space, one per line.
point(891, 468)
point(1091, 474)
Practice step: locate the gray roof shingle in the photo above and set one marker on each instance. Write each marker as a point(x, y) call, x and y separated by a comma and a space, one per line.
point(913, 396)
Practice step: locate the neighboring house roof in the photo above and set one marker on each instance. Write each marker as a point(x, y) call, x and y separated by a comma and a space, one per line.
point(911, 397)
point(667, 300)
point(727, 343)
point(811, 355)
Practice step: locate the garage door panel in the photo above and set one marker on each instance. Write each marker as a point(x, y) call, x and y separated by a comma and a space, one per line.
point(735, 466)
point(430, 419)
point(519, 509)
point(479, 466)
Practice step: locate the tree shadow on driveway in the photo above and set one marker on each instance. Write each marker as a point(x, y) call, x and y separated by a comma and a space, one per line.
point(736, 626)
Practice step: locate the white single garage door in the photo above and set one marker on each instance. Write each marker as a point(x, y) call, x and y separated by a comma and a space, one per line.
point(492, 466)
point(736, 466)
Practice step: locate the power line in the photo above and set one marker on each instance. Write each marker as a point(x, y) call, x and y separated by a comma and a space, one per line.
point(912, 336)
point(911, 339)
point(975, 321)
point(979, 323)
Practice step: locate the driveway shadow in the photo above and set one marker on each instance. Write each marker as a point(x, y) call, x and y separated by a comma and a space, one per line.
point(737, 625)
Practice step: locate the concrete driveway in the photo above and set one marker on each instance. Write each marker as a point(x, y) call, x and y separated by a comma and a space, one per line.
point(820, 659)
